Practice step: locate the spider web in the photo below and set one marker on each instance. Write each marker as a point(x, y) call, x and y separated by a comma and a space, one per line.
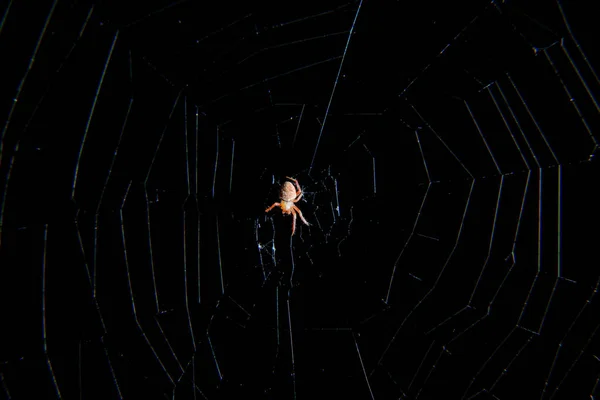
point(447, 158)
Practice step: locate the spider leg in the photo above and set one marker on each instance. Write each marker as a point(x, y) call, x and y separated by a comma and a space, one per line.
point(293, 221)
point(272, 207)
point(296, 209)
point(295, 181)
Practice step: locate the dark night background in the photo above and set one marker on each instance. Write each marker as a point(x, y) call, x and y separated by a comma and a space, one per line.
point(448, 157)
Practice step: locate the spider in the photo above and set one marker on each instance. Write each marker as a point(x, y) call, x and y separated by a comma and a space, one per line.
point(288, 195)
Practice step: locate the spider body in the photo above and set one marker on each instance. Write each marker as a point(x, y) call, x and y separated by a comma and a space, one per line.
point(288, 195)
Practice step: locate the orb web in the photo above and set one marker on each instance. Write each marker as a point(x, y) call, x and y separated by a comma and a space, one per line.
point(447, 157)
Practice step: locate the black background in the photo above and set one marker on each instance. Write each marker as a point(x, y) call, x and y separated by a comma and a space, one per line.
point(447, 153)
